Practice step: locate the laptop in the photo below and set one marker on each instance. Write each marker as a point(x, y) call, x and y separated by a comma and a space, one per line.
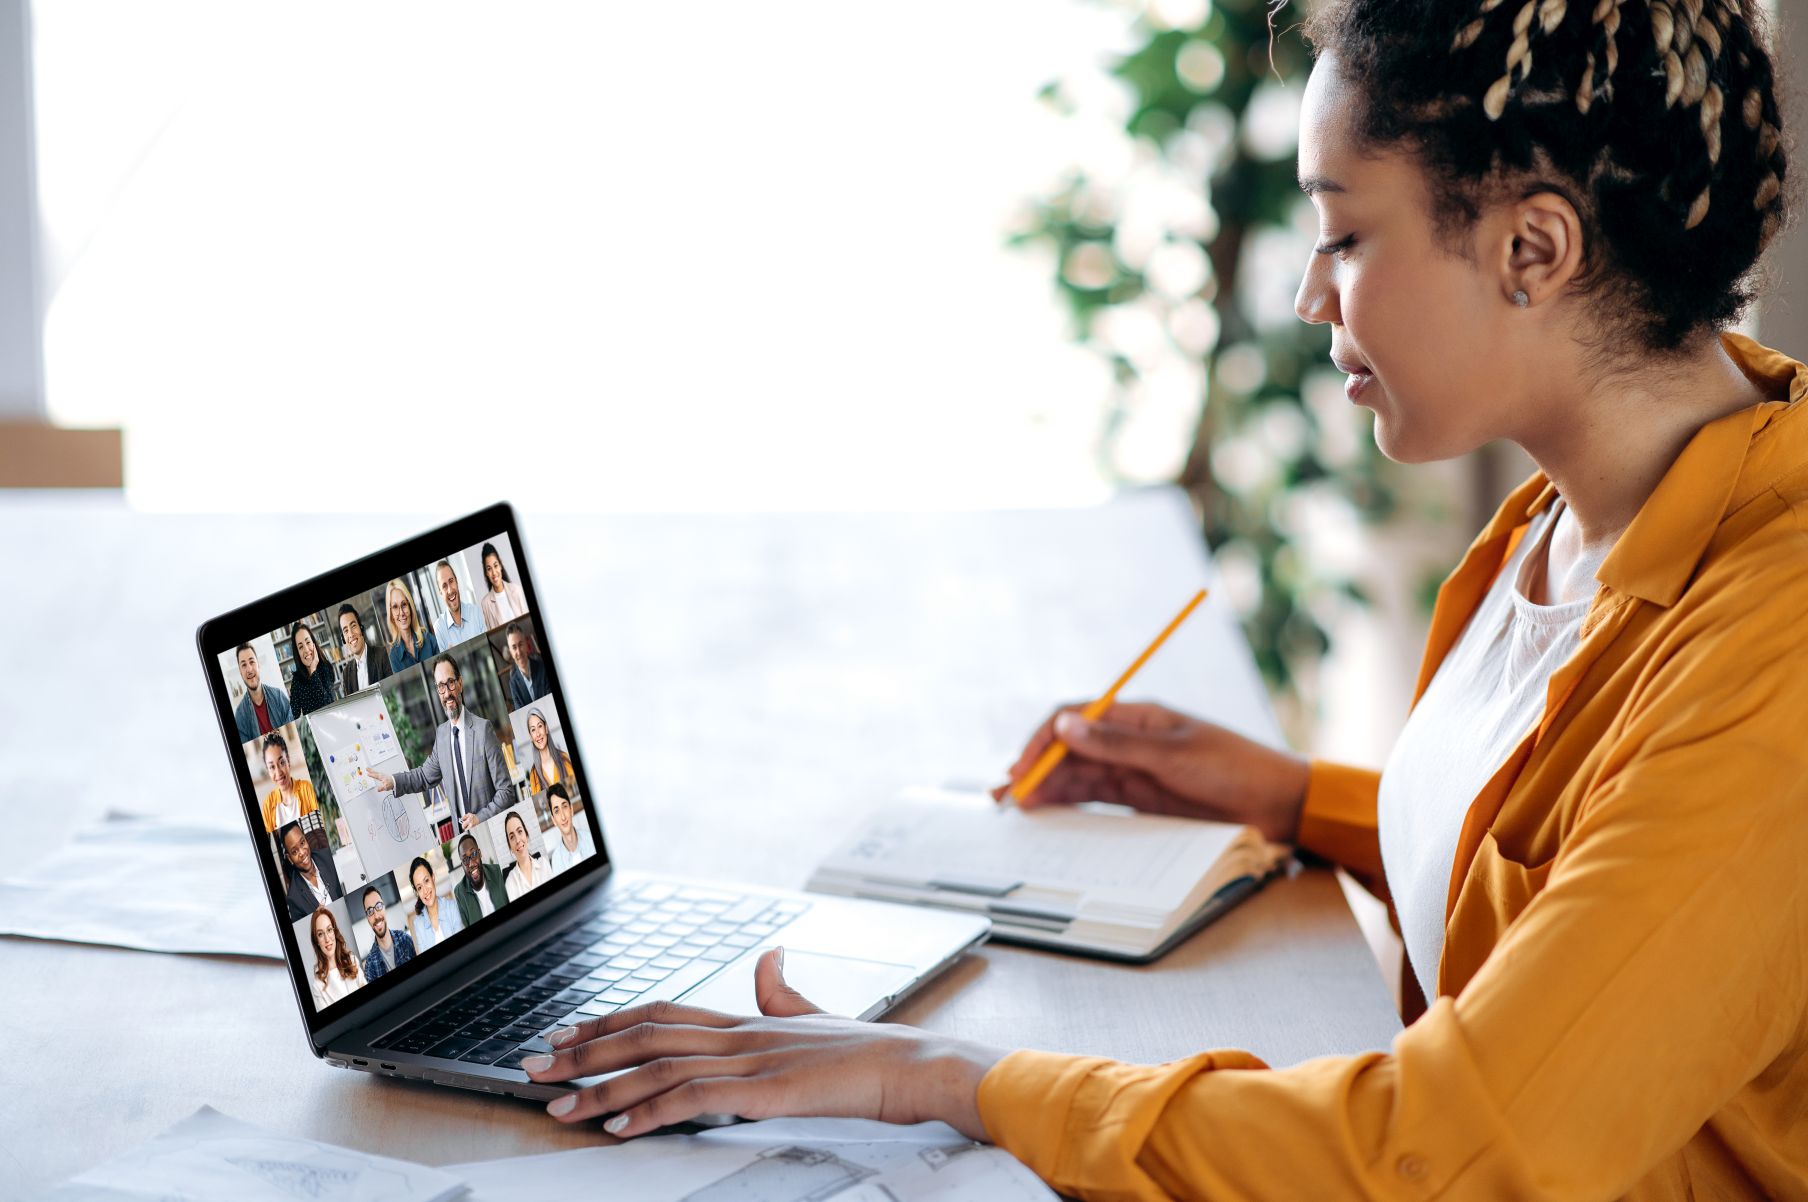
point(430, 841)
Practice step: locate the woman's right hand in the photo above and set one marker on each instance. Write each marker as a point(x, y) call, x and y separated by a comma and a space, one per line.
point(1161, 761)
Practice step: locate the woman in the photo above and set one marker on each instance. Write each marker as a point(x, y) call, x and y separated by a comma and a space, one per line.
point(502, 598)
point(431, 923)
point(548, 763)
point(409, 642)
point(313, 879)
point(312, 685)
point(336, 971)
point(1536, 220)
point(524, 873)
point(288, 798)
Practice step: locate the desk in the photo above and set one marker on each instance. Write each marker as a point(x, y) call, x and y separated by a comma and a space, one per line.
point(721, 671)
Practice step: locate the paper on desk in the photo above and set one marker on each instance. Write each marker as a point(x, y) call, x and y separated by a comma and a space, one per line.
point(208, 1157)
point(778, 1160)
point(148, 884)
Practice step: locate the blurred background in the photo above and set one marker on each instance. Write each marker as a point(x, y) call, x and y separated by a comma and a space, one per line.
point(412, 257)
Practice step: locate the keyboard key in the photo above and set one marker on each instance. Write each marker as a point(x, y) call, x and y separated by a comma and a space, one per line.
point(718, 929)
point(655, 891)
point(706, 895)
point(621, 996)
point(641, 928)
point(514, 1058)
point(596, 1008)
point(517, 1034)
point(670, 962)
point(489, 1052)
point(649, 974)
point(571, 999)
point(758, 929)
point(722, 953)
point(661, 940)
point(751, 908)
point(685, 978)
point(453, 1048)
point(739, 941)
point(589, 960)
point(629, 962)
point(690, 951)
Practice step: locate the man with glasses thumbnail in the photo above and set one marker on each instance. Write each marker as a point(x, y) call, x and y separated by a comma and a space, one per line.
point(466, 757)
point(388, 949)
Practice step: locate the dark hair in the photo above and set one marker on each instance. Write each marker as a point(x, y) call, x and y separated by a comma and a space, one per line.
point(348, 608)
point(1656, 119)
point(474, 842)
point(319, 655)
point(447, 659)
point(557, 789)
point(489, 549)
point(244, 647)
point(420, 907)
point(368, 890)
point(275, 739)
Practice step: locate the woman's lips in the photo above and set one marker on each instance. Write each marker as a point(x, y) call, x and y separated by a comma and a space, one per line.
point(1357, 383)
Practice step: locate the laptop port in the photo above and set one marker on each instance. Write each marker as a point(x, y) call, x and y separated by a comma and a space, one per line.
point(390, 1067)
point(360, 1063)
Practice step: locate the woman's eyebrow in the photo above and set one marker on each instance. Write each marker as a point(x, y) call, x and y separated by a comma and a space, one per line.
point(1312, 185)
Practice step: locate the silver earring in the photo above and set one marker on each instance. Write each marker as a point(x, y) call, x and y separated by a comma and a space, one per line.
point(1521, 299)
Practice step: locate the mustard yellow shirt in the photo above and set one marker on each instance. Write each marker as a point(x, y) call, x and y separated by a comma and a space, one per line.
point(1622, 1005)
point(307, 803)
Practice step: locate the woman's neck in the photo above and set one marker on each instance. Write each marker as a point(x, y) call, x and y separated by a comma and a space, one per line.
point(1607, 447)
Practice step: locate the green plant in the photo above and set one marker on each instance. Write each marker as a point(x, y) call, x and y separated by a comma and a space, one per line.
point(1209, 105)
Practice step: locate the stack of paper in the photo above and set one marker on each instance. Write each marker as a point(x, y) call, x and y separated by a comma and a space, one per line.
point(209, 1157)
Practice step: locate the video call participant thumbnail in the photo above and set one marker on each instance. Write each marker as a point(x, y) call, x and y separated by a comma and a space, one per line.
point(410, 643)
point(336, 971)
point(288, 798)
point(313, 881)
point(548, 763)
point(528, 869)
point(388, 949)
point(527, 679)
point(363, 665)
point(466, 759)
point(461, 621)
point(570, 841)
point(311, 687)
point(503, 600)
point(480, 891)
point(263, 708)
point(431, 924)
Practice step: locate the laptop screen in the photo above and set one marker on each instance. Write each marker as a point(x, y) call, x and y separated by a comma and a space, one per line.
point(411, 769)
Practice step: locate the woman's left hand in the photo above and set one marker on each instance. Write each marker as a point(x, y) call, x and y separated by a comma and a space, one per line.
point(793, 1060)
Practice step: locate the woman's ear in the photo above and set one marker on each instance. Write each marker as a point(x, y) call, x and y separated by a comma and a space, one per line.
point(1546, 251)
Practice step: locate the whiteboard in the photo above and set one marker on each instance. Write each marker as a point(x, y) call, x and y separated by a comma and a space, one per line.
point(355, 737)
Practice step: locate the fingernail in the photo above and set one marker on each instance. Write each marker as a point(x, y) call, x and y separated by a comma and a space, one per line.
point(1070, 726)
point(562, 1036)
point(616, 1125)
point(562, 1106)
point(780, 964)
point(536, 1064)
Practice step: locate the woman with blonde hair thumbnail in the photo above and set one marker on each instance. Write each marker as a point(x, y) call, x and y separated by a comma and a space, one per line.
point(336, 970)
point(410, 643)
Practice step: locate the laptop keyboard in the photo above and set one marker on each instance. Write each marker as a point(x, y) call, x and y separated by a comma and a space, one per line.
point(651, 943)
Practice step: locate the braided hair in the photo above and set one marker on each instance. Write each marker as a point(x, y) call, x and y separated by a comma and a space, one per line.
point(1656, 119)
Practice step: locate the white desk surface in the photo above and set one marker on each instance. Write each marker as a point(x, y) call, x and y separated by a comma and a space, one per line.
point(744, 688)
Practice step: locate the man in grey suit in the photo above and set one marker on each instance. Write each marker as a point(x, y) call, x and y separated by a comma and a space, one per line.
point(466, 757)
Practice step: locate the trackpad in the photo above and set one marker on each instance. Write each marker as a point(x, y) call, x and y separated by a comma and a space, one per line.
point(838, 984)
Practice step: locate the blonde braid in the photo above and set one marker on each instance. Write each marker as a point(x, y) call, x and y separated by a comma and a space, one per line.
point(1519, 55)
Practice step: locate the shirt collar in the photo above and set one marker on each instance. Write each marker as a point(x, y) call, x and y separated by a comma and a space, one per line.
point(1728, 462)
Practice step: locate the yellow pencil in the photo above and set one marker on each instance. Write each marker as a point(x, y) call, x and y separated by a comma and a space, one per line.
point(1057, 751)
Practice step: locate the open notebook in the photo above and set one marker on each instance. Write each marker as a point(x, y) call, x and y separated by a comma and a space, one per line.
point(1096, 879)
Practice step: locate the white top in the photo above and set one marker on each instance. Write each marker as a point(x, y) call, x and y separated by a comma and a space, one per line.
point(505, 609)
point(558, 856)
point(485, 906)
point(518, 880)
point(286, 811)
point(317, 886)
point(1485, 697)
point(336, 986)
point(359, 672)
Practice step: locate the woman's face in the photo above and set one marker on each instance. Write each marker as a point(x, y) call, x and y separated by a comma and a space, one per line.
point(1420, 325)
point(423, 884)
point(295, 846)
point(400, 614)
point(305, 651)
point(492, 571)
point(324, 940)
point(517, 836)
point(276, 762)
point(536, 731)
